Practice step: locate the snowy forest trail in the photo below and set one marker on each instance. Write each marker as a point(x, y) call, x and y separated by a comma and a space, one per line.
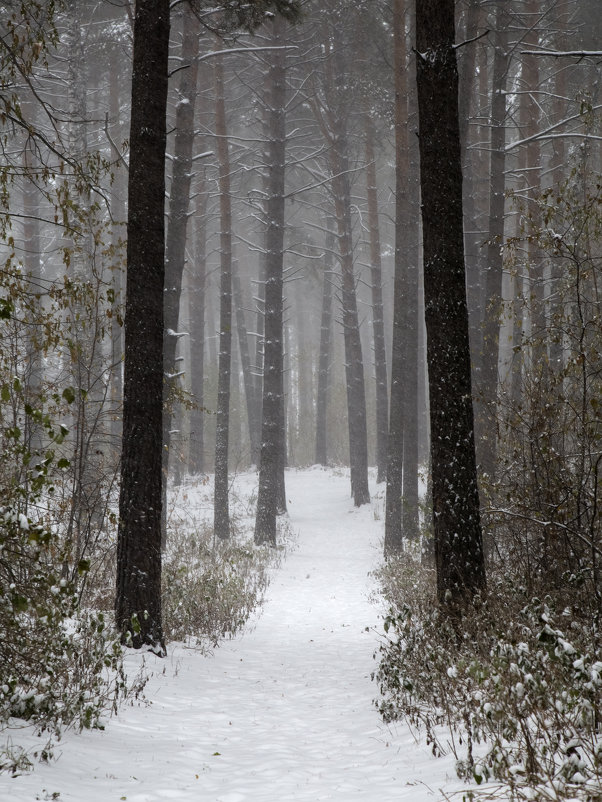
point(282, 713)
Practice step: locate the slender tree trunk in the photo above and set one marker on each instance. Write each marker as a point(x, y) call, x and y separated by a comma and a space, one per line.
point(530, 116)
point(259, 299)
point(179, 201)
point(271, 469)
point(378, 323)
point(486, 421)
point(354, 363)
point(409, 520)
point(138, 602)
point(118, 212)
point(196, 315)
point(556, 303)
point(519, 312)
point(221, 517)
point(332, 117)
point(34, 439)
point(324, 359)
point(245, 361)
point(470, 133)
point(212, 345)
point(393, 506)
point(84, 324)
point(305, 424)
point(457, 528)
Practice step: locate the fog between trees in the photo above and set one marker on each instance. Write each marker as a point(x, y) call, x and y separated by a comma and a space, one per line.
point(292, 290)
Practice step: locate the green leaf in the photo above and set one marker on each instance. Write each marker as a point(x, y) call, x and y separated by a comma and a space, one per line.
point(69, 395)
point(20, 603)
point(5, 392)
point(63, 463)
point(83, 567)
point(58, 438)
point(6, 309)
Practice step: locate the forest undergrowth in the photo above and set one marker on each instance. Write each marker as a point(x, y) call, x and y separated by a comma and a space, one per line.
point(513, 690)
point(61, 660)
point(512, 685)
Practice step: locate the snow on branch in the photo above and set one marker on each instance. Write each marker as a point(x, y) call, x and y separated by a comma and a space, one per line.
point(564, 53)
point(247, 49)
point(548, 132)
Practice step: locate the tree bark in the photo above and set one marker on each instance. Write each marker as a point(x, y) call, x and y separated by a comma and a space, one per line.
point(457, 528)
point(411, 323)
point(271, 470)
point(175, 258)
point(179, 201)
point(324, 359)
point(245, 362)
point(221, 517)
point(393, 504)
point(196, 315)
point(354, 363)
point(378, 323)
point(138, 601)
point(118, 212)
point(486, 423)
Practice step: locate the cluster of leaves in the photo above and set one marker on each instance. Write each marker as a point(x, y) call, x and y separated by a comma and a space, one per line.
point(210, 589)
point(517, 682)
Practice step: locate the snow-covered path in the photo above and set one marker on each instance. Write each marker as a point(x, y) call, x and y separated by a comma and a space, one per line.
point(283, 713)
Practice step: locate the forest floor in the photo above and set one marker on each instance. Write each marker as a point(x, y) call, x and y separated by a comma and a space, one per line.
point(283, 712)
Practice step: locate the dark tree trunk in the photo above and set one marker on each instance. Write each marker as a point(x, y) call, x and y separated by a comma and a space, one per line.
point(378, 322)
point(138, 602)
point(457, 528)
point(179, 202)
point(271, 470)
point(221, 519)
point(325, 349)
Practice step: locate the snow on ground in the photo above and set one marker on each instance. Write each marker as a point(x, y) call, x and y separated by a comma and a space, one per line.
point(282, 713)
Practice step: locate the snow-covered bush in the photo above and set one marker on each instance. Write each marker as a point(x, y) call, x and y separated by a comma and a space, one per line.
point(60, 666)
point(514, 689)
point(210, 589)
